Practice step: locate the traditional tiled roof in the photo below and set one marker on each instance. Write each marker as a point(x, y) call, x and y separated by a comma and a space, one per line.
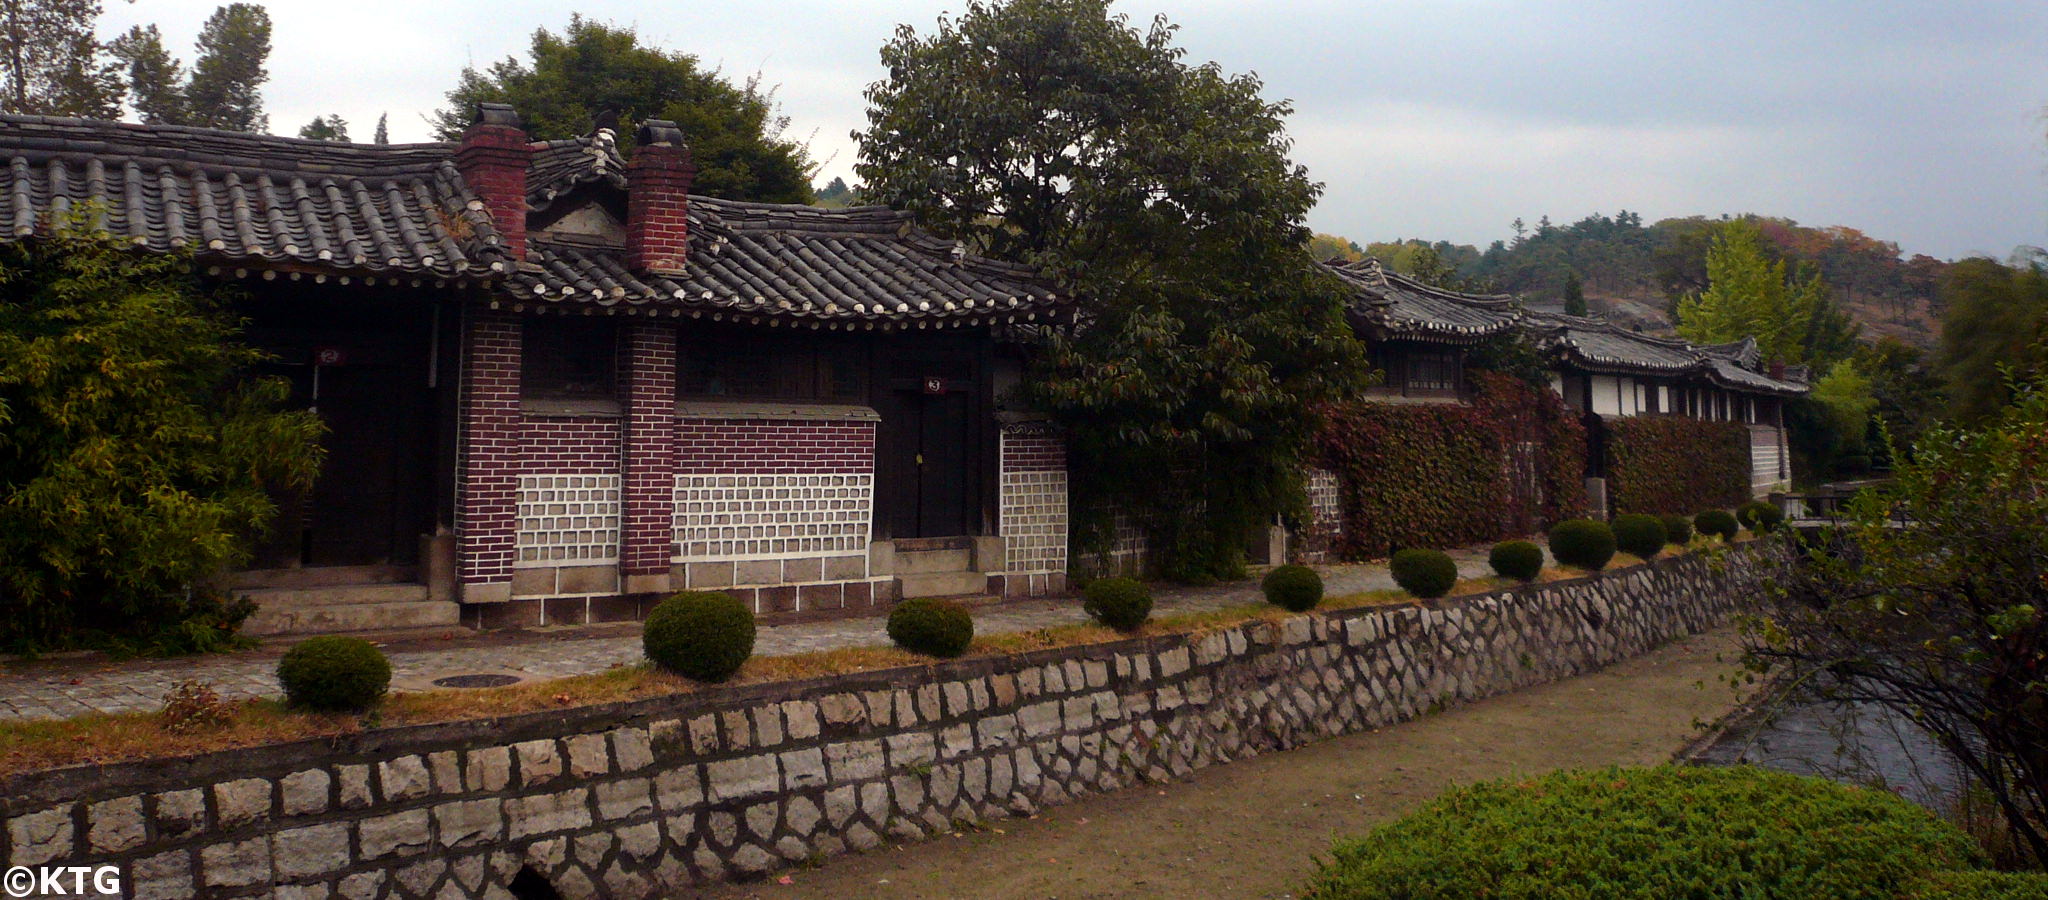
point(764, 259)
point(404, 208)
point(375, 208)
point(1597, 345)
point(1407, 308)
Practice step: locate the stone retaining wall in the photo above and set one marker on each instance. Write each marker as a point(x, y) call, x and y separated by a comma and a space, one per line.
point(639, 799)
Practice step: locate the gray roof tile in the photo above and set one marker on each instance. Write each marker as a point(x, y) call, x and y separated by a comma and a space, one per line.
point(1408, 308)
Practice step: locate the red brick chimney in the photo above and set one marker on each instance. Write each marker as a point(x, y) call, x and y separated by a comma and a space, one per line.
point(658, 182)
point(493, 159)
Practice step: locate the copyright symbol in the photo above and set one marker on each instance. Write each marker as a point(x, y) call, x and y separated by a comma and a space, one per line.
point(18, 882)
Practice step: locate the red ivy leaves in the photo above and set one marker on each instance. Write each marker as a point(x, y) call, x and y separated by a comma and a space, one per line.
point(1667, 464)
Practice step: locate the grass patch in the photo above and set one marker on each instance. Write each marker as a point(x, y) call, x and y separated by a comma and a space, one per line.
point(99, 738)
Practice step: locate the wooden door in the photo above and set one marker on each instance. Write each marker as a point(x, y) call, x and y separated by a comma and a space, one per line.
point(928, 460)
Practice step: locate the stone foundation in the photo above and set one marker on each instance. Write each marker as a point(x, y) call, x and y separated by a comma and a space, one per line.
point(642, 799)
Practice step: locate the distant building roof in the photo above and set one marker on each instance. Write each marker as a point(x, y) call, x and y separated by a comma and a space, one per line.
point(1407, 308)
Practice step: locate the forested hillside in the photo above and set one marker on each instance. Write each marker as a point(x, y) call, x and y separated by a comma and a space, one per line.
point(1637, 272)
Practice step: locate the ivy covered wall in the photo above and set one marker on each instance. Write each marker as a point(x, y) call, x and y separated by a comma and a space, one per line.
point(1439, 476)
point(1668, 464)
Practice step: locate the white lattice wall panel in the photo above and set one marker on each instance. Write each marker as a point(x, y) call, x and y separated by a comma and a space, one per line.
point(735, 517)
point(1325, 504)
point(1766, 457)
point(1034, 521)
point(567, 520)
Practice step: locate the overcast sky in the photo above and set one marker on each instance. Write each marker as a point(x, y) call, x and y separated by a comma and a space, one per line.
point(1916, 122)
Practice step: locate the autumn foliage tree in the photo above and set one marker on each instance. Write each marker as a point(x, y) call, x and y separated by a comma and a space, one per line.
point(136, 460)
point(1058, 134)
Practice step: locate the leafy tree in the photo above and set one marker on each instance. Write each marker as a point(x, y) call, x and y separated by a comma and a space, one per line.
point(1996, 317)
point(1053, 133)
point(1907, 392)
point(383, 133)
point(156, 80)
point(593, 70)
point(53, 64)
point(135, 461)
point(330, 127)
point(225, 90)
point(1941, 622)
point(837, 195)
point(1750, 295)
point(1574, 295)
point(1329, 246)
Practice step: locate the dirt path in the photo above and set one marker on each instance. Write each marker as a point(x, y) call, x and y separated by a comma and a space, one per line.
point(1251, 829)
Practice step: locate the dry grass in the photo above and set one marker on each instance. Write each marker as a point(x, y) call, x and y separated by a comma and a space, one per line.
point(101, 738)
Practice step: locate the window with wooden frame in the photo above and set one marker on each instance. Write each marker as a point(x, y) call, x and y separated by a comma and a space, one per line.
point(1432, 372)
point(569, 359)
point(772, 367)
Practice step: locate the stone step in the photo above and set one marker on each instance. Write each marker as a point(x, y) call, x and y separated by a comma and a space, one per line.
point(941, 584)
point(336, 595)
point(321, 576)
point(928, 562)
point(330, 618)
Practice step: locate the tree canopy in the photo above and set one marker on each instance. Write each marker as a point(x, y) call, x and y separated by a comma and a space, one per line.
point(1055, 133)
point(52, 62)
point(592, 72)
point(224, 89)
point(136, 460)
point(1749, 295)
point(1997, 318)
point(329, 127)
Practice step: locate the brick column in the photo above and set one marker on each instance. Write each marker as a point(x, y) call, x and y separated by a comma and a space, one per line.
point(489, 483)
point(647, 531)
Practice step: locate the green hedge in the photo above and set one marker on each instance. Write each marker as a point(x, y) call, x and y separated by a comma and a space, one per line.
point(1668, 464)
point(1650, 834)
point(1438, 475)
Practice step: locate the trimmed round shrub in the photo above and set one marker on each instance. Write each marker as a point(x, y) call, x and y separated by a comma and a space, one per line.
point(1678, 529)
point(1759, 516)
point(1715, 523)
point(1424, 573)
point(1583, 543)
point(931, 626)
point(1639, 535)
point(1120, 603)
point(1649, 834)
point(705, 635)
point(1520, 560)
point(1296, 588)
point(334, 673)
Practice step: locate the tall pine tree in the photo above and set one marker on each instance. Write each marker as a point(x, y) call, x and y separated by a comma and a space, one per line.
point(383, 135)
point(156, 80)
point(225, 90)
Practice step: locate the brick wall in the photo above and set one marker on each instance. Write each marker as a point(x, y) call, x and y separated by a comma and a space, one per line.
point(647, 798)
point(648, 357)
point(581, 445)
point(1032, 512)
point(771, 447)
point(489, 456)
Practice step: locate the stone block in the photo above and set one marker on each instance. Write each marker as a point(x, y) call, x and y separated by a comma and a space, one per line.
point(539, 762)
point(241, 801)
point(446, 766)
point(469, 823)
point(757, 571)
point(489, 769)
point(304, 793)
point(633, 748)
point(679, 790)
point(803, 768)
point(854, 760)
point(310, 852)
point(743, 778)
point(767, 725)
point(708, 575)
point(179, 812)
point(404, 778)
point(587, 756)
point(800, 718)
point(547, 813)
point(115, 825)
point(165, 876)
point(352, 786)
point(802, 569)
point(845, 568)
point(912, 749)
point(40, 837)
point(624, 799)
point(814, 597)
point(236, 864)
point(398, 834)
point(587, 580)
point(843, 710)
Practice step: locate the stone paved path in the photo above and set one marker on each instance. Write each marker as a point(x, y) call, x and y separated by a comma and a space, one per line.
point(61, 688)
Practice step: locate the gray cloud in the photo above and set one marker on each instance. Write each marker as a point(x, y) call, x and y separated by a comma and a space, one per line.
point(1916, 122)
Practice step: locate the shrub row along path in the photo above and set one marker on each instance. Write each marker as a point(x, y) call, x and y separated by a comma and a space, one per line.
point(55, 688)
point(1253, 828)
